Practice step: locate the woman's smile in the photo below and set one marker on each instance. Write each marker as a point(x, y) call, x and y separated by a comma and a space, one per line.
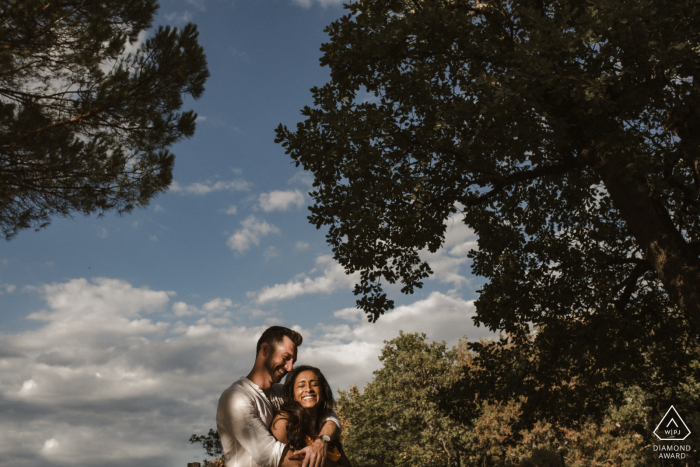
point(307, 389)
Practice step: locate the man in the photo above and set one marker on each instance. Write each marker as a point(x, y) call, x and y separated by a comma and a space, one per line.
point(245, 410)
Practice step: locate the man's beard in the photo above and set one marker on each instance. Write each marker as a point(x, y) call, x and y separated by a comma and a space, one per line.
point(273, 371)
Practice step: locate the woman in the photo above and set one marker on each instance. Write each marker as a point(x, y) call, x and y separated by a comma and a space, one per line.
point(308, 400)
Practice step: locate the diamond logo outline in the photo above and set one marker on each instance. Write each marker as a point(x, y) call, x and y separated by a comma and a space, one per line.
point(677, 415)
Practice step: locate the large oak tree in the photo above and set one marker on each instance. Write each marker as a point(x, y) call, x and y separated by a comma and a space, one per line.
point(567, 132)
point(85, 123)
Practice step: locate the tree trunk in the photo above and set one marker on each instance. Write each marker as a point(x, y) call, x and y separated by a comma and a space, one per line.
point(650, 224)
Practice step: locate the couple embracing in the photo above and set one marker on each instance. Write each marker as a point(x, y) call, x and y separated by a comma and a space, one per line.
point(264, 423)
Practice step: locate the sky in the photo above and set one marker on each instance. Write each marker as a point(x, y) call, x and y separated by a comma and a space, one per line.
point(118, 334)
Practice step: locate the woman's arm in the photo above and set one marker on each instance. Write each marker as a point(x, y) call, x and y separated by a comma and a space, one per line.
point(279, 428)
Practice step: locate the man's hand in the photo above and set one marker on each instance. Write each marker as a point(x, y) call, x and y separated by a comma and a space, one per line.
point(313, 455)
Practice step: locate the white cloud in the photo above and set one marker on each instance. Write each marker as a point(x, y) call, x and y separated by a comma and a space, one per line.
point(218, 305)
point(27, 386)
point(199, 4)
point(10, 288)
point(250, 233)
point(303, 178)
point(271, 252)
point(231, 210)
point(102, 232)
point(332, 278)
point(281, 200)
point(216, 311)
point(179, 18)
point(349, 314)
point(209, 187)
point(98, 382)
point(183, 309)
point(49, 444)
point(158, 208)
point(131, 48)
point(347, 354)
point(301, 245)
point(448, 260)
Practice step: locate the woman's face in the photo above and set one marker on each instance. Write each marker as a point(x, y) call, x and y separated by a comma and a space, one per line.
point(307, 389)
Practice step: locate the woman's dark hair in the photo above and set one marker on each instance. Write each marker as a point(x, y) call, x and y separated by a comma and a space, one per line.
point(299, 422)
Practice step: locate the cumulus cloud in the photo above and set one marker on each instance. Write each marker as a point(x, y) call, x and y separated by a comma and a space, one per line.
point(349, 314)
point(301, 245)
point(207, 187)
point(217, 312)
point(348, 353)
point(249, 234)
point(332, 277)
point(281, 200)
point(303, 178)
point(101, 382)
point(446, 263)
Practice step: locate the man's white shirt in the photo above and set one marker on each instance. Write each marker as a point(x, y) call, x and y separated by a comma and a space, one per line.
point(243, 419)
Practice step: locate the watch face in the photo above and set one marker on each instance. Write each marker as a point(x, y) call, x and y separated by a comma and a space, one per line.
point(326, 438)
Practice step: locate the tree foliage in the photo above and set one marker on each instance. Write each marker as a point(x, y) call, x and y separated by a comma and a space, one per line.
point(399, 410)
point(408, 415)
point(565, 377)
point(564, 130)
point(212, 446)
point(84, 122)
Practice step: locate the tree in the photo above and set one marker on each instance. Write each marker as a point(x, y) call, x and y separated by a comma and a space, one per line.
point(212, 446)
point(399, 410)
point(408, 410)
point(565, 131)
point(85, 123)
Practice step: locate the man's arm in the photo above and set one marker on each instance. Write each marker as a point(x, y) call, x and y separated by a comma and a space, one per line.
point(287, 460)
point(237, 413)
point(315, 454)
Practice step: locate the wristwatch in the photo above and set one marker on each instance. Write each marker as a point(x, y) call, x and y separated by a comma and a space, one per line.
point(325, 438)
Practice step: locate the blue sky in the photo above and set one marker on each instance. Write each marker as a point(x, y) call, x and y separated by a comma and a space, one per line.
point(118, 334)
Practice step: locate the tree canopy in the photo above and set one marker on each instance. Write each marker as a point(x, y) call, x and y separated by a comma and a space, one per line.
point(86, 113)
point(409, 410)
point(565, 131)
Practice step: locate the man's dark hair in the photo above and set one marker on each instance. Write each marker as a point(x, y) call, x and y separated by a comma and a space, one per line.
point(274, 336)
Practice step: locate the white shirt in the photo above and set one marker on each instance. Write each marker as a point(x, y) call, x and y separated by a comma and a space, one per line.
point(243, 418)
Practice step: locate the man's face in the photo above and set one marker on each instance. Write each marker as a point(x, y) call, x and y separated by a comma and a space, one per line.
point(280, 361)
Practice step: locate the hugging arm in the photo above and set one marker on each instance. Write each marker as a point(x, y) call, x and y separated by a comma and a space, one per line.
point(306, 457)
point(243, 422)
